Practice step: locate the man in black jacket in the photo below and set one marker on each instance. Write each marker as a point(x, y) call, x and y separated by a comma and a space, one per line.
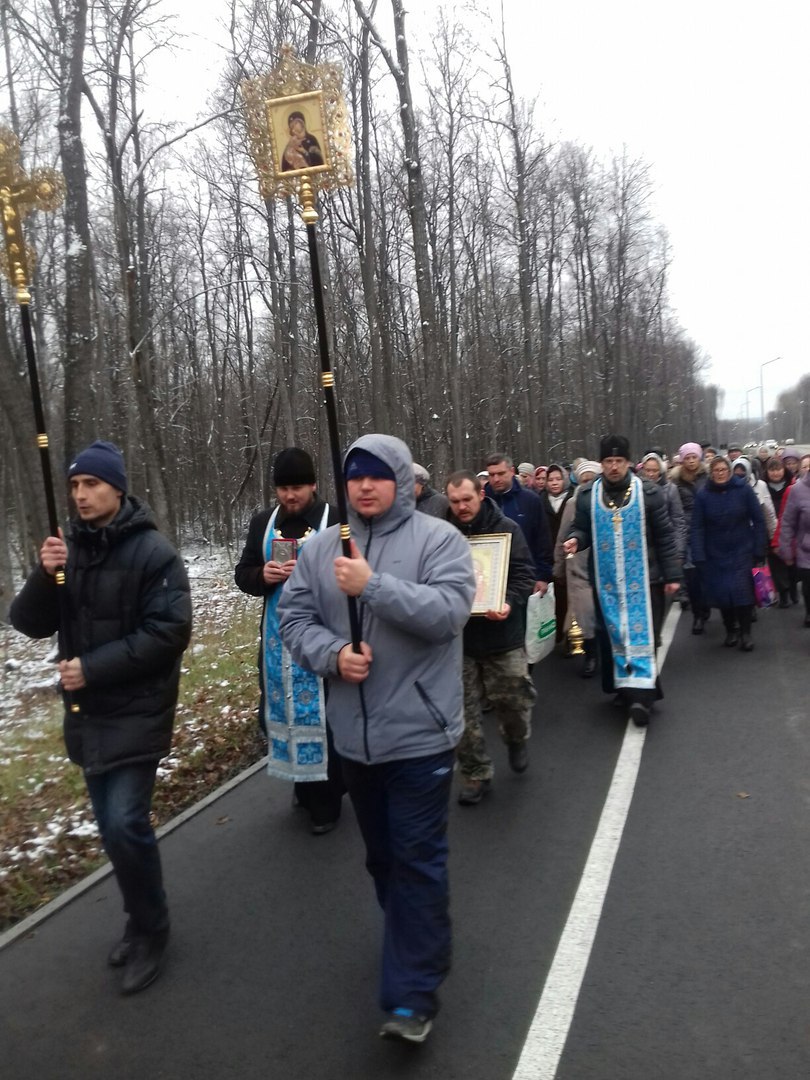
point(291, 707)
point(130, 620)
point(524, 507)
point(494, 652)
point(634, 564)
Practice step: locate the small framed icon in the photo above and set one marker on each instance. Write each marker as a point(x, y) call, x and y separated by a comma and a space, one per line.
point(284, 550)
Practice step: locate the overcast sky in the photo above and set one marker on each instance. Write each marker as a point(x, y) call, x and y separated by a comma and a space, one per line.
point(715, 96)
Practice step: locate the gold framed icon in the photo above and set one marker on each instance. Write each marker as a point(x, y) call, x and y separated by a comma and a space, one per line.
point(490, 558)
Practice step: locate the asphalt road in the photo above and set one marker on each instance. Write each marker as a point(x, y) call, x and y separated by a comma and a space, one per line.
point(699, 967)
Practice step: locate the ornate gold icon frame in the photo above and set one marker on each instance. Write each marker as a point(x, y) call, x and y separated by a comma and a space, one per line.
point(315, 91)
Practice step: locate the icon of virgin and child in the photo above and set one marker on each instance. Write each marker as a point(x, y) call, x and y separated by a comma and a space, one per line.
point(303, 151)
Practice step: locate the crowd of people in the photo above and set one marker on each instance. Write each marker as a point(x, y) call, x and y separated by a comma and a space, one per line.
point(617, 535)
point(378, 660)
point(719, 535)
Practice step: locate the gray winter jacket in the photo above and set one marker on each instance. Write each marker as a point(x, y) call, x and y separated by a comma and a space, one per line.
point(794, 528)
point(412, 612)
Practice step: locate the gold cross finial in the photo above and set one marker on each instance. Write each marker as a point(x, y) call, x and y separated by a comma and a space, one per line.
point(43, 190)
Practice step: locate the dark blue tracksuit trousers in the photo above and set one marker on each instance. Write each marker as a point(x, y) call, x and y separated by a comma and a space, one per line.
point(402, 809)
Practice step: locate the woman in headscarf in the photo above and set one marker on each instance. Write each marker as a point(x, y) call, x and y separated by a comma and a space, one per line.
point(778, 484)
point(743, 467)
point(653, 468)
point(574, 570)
point(792, 461)
point(728, 538)
point(689, 476)
point(557, 493)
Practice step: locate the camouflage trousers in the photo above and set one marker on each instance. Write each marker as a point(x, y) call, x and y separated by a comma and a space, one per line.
point(503, 679)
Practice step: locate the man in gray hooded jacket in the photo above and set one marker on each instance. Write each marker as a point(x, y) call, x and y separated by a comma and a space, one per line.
point(396, 707)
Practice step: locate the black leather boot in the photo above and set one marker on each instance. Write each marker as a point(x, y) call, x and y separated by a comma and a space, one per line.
point(589, 667)
point(143, 963)
point(119, 953)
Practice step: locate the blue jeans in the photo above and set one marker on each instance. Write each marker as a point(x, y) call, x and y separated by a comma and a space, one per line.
point(402, 809)
point(121, 800)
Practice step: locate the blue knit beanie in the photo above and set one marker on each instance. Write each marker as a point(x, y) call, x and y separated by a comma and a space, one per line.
point(362, 463)
point(104, 460)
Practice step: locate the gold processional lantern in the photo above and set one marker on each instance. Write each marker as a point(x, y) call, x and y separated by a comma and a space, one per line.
point(298, 131)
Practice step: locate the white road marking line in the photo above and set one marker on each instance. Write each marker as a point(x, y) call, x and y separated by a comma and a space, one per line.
point(549, 1029)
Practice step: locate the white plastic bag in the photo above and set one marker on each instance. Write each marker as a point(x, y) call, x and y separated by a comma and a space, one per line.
point(541, 625)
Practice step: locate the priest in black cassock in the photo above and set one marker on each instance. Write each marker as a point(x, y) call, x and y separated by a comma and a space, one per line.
point(291, 709)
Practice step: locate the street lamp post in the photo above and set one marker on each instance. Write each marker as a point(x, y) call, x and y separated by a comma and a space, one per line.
point(762, 387)
point(748, 408)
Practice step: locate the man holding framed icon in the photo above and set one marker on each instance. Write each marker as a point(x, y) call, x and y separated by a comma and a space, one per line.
point(494, 654)
point(291, 709)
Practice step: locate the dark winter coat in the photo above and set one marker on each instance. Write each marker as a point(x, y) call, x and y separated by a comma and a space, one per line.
point(662, 548)
point(523, 506)
point(794, 533)
point(688, 489)
point(432, 502)
point(728, 538)
point(130, 620)
point(675, 510)
point(554, 517)
point(486, 637)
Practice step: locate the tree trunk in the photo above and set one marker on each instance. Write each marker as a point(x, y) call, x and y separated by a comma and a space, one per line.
point(80, 357)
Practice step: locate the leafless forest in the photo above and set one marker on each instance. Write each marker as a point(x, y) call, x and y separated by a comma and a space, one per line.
point(487, 285)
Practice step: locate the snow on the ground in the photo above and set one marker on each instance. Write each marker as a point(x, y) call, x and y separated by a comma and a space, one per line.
point(28, 678)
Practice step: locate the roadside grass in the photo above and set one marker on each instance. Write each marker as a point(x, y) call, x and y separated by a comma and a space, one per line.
point(48, 839)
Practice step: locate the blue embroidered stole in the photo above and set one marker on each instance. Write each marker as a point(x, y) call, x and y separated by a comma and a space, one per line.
point(294, 712)
point(622, 577)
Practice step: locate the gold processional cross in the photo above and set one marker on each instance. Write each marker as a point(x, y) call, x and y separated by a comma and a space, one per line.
point(19, 194)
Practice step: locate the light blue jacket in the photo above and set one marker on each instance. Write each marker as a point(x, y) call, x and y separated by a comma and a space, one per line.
point(412, 612)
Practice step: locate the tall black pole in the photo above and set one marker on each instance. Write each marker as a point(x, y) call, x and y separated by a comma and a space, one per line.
point(47, 480)
point(310, 216)
point(39, 420)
